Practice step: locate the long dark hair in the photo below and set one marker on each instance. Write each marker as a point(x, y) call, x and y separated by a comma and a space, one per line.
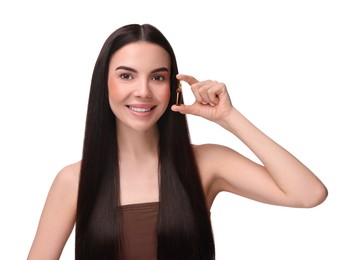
point(184, 227)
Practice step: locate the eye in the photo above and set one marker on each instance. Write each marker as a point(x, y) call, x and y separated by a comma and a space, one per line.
point(126, 76)
point(158, 78)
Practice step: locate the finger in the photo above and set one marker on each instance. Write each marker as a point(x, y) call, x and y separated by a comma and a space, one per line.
point(183, 109)
point(213, 92)
point(204, 92)
point(187, 78)
point(209, 92)
point(202, 95)
point(193, 82)
point(199, 93)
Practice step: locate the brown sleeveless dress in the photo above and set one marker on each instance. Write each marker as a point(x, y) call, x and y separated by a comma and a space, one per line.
point(140, 231)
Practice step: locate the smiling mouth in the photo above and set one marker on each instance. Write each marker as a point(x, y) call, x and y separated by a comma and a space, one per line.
point(140, 109)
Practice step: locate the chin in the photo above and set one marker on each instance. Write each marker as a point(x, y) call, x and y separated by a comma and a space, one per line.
point(141, 127)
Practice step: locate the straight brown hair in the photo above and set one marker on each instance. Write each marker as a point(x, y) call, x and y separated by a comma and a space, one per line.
point(184, 226)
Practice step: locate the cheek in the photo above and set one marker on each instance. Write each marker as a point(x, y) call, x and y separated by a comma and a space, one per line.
point(114, 97)
point(165, 95)
point(113, 104)
point(115, 91)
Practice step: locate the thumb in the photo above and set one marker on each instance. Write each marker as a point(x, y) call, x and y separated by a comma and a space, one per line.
point(183, 109)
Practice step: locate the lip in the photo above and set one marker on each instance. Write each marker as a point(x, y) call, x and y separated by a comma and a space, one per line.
point(141, 105)
point(141, 110)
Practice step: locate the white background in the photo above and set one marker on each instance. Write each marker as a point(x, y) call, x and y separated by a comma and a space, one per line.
point(286, 65)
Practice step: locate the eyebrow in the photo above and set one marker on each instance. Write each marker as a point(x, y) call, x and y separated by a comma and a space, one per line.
point(135, 71)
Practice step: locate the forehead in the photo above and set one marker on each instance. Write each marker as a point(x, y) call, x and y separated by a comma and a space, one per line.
point(141, 54)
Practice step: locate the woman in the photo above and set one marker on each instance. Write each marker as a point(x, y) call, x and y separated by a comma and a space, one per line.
point(142, 190)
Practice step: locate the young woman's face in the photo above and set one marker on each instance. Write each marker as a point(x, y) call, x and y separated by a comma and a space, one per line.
point(139, 85)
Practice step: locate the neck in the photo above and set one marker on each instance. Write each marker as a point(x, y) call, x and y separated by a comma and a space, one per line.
point(137, 145)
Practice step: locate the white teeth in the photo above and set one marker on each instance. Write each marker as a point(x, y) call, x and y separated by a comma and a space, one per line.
point(139, 109)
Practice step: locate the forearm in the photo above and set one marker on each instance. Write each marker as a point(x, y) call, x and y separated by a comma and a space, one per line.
point(288, 173)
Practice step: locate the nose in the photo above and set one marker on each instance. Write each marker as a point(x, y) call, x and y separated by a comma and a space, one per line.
point(143, 90)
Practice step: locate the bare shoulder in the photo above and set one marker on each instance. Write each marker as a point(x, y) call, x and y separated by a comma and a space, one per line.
point(58, 216)
point(69, 176)
point(210, 158)
point(210, 149)
point(66, 181)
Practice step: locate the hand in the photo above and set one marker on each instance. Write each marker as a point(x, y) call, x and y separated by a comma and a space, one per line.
point(212, 99)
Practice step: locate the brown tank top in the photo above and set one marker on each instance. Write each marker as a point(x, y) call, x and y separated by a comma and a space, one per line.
point(140, 235)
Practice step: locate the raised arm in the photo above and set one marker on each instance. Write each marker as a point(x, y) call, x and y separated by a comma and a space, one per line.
point(281, 179)
point(58, 216)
